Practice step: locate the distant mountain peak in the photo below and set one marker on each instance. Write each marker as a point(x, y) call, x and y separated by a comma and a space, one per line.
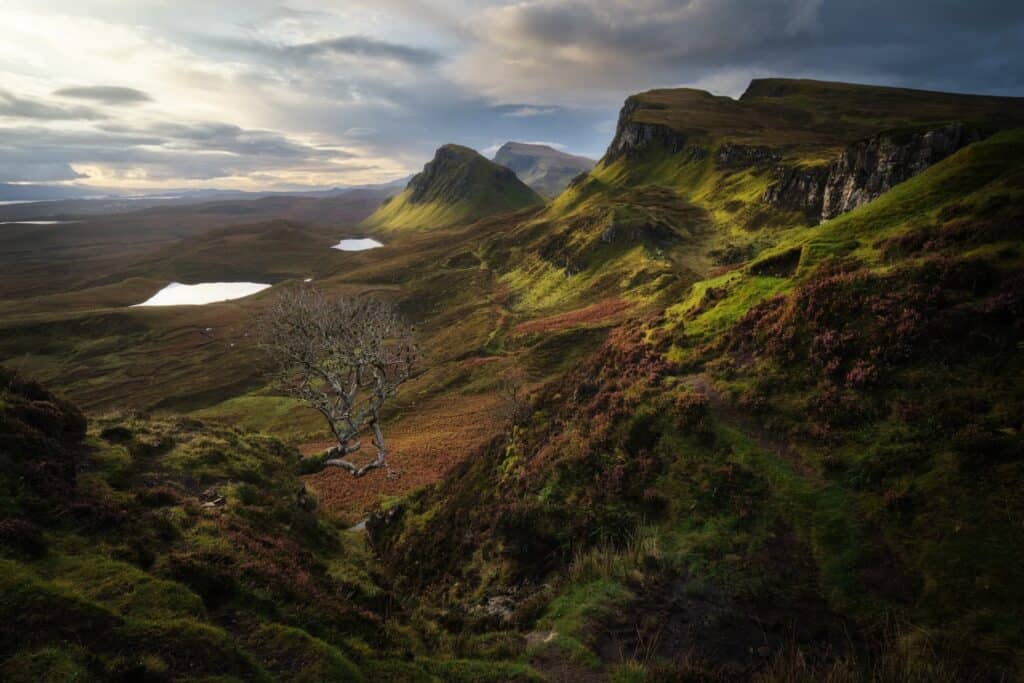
point(542, 167)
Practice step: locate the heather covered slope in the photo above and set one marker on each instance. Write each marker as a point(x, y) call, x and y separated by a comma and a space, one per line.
point(820, 436)
point(173, 550)
point(764, 440)
point(457, 186)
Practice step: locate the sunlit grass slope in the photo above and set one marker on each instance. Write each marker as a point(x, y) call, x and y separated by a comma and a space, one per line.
point(821, 429)
point(458, 185)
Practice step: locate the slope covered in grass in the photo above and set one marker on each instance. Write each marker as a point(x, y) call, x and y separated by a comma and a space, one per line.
point(757, 447)
point(171, 549)
point(814, 451)
point(458, 185)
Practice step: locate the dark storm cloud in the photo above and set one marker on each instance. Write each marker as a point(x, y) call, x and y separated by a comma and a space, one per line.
point(590, 48)
point(14, 106)
point(106, 94)
point(963, 46)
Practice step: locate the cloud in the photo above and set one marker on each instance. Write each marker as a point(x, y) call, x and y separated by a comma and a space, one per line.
point(527, 111)
point(597, 51)
point(581, 50)
point(163, 151)
point(362, 46)
point(13, 106)
point(106, 94)
point(360, 133)
point(278, 54)
point(38, 172)
point(229, 138)
point(364, 91)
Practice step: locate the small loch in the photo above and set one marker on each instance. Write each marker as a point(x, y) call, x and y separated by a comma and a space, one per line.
point(178, 294)
point(354, 244)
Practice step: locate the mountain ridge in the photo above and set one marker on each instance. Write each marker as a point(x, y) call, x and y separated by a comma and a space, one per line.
point(457, 185)
point(542, 167)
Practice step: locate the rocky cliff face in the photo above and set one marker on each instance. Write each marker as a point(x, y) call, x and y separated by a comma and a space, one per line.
point(632, 138)
point(869, 168)
point(798, 189)
point(741, 156)
point(865, 170)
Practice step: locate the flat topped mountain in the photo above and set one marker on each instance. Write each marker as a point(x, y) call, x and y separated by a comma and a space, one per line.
point(545, 169)
point(806, 114)
point(457, 186)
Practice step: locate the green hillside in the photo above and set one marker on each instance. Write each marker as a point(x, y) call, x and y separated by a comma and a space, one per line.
point(821, 430)
point(743, 403)
point(457, 186)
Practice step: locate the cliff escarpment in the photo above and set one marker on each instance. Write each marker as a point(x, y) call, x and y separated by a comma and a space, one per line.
point(634, 137)
point(865, 170)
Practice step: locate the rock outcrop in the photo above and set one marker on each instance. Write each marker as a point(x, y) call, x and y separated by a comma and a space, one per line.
point(869, 168)
point(865, 170)
point(633, 138)
point(798, 189)
point(742, 156)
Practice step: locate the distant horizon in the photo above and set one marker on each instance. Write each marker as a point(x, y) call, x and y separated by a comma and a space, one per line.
point(94, 192)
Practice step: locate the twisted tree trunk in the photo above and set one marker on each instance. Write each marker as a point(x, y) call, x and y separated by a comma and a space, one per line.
point(379, 460)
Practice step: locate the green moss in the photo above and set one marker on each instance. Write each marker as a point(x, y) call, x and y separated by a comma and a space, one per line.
point(572, 613)
point(281, 416)
point(124, 588)
point(66, 663)
point(742, 294)
point(183, 645)
point(35, 610)
point(469, 671)
point(295, 655)
point(398, 671)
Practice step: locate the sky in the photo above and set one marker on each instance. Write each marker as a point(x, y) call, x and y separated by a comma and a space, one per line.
point(262, 94)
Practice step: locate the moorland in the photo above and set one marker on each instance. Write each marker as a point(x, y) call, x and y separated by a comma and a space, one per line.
point(741, 402)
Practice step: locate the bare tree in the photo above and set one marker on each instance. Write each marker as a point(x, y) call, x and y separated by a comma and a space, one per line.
point(345, 358)
point(514, 397)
